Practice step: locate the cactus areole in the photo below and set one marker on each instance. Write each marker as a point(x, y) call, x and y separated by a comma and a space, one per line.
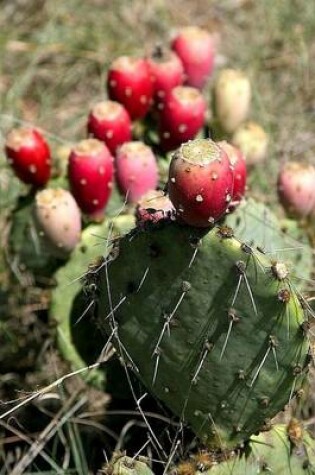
point(203, 323)
point(200, 182)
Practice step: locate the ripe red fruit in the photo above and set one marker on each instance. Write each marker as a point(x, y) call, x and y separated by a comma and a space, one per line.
point(166, 72)
point(153, 207)
point(90, 174)
point(296, 188)
point(239, 170)
point(109, 122)
point(29, 155)
point(196, 49)
point(129, 83)
point(136, 170)
point(182, 117)
point(200, 182)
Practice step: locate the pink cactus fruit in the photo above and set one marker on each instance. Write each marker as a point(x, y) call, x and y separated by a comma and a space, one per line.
point(239, 171)
point(109, 122)
point(153, 207)
point(196, 49)
point(182, 117)
point(166, 72)
point(90, 173)
point(29, 155)
point(58, 220)
point(252, 140)
point(232, 96)
point(296, 188)
point(200, 182)
point(129, 83)
point(136, 170)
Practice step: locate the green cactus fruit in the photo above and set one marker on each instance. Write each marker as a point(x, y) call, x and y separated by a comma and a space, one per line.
point(72, 305)
point(231, 98)
point(123, 465)
point(256, 225)
point(213, 328)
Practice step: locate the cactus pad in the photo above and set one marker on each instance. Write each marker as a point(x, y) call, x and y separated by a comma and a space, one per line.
point(212, 327)
point(71, 306)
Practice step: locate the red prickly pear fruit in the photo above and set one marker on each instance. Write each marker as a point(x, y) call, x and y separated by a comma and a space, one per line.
point(196, 49)
point(58, 219)
point(29, 155)
point(110, 122)
point(296, 188)
point(182, 117)
point(129, 83)
point(136, 170)
point(90, 172)
point(252, 140)
point(232, 95)
point(153, 207)
point(200, 182)
point(166, 72)
point(239, 170)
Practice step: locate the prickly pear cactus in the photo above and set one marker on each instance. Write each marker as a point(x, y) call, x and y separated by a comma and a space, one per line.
point(72, 303)
point(212, 327)
point(275, 452)
point(123, 465)
point(255, 224)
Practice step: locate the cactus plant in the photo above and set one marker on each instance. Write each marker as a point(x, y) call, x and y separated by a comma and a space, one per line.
point(123, 465)
point(71, 306)
point(212, 310)
point(255, 224)
point(273, 452)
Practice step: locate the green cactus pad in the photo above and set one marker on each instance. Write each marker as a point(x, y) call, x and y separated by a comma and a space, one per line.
point(211, 327)
point(272, 452)
point(79, 340)
point(255, 224)
point(25, 244)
